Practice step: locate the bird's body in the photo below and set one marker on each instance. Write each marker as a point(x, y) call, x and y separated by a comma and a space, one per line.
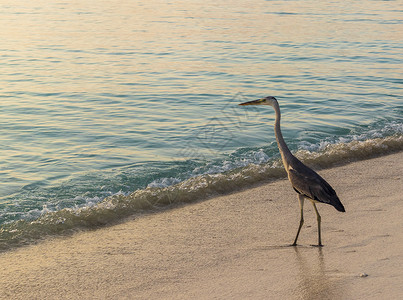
point(305, 181)
point(318, 189)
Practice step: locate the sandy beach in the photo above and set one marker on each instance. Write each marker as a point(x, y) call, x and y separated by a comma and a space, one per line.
point(233, 247)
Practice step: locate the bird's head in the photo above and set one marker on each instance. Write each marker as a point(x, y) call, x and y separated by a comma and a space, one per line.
point(269, 100)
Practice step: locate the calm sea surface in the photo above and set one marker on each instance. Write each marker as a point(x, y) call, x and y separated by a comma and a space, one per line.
point(110, 107)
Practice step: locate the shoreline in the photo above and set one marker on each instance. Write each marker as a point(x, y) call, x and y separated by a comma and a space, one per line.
point(233, 247)
point(116, 208)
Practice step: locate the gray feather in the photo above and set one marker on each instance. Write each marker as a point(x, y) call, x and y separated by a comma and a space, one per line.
point(310, 184)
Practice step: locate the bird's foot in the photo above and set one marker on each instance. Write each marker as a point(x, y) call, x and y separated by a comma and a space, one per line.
point(319, 245)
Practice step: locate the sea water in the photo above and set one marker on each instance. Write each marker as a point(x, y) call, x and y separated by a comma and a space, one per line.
point(109, 108)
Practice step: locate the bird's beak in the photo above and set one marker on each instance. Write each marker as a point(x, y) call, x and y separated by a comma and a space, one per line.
point(253, 102)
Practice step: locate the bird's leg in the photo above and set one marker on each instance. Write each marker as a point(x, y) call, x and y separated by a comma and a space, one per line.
point(301, 221)
point(318, 218)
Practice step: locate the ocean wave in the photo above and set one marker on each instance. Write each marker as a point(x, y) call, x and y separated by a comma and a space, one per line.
point(215, 181)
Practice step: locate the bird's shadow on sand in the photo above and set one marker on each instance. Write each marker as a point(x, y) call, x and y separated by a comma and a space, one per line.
point(288, 246)
point(313, 279)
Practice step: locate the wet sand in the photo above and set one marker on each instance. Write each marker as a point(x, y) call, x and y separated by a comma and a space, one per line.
point(233, 247)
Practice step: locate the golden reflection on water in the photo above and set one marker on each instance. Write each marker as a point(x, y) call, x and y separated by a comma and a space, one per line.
point(187, 33)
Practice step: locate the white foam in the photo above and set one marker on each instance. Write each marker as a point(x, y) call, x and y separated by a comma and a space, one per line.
point(163, 182)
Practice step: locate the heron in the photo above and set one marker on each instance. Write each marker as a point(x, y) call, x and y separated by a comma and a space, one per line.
point(306, 182)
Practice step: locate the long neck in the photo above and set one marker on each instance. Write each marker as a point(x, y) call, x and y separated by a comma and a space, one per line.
point(282, 146)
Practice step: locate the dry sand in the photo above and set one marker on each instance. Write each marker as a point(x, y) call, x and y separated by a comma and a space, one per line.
point(233, 247)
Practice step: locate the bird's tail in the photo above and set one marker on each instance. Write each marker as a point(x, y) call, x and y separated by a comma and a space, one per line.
point(338, 205)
